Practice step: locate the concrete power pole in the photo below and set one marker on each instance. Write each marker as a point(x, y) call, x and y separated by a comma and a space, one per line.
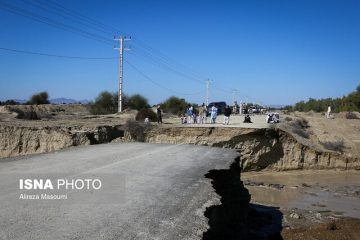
point(207, 91)
point(121, 49)
point(234, 91)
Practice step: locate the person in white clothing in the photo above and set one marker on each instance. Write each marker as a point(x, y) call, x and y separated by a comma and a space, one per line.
point(328, 112)
point(213, 114)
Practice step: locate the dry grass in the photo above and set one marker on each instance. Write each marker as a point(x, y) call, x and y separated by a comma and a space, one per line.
point(351, 115)
point(288, 119)
point(299, 127)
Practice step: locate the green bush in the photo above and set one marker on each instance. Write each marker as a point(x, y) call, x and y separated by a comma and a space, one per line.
point(351, 102)
point(39, 98)
point(146, 113)
point(137, 102)
point(9, 102)
point(288, 108)
point(174, 105)
point(105, 103)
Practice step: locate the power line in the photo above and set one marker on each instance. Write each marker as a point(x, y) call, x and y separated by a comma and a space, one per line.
point(156, 83)
point(65, 15)
point(164, 57)
point(55, 55)
point(148, 53)
point(162, 61)
point(162, 65)
point(78, 15)
point(60, 8)
point(53, 23)
point(96, 58)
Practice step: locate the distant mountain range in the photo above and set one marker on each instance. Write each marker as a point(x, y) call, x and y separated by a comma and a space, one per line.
point(58, 101)
point(67, 101)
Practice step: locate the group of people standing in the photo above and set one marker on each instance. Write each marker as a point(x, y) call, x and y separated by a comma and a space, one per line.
point(190, 117)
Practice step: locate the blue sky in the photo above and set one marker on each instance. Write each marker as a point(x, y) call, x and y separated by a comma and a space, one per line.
point(271, 52)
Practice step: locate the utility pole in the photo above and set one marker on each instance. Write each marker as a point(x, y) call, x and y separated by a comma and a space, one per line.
point(234, 94)
point(207, 91)
point(121, 49)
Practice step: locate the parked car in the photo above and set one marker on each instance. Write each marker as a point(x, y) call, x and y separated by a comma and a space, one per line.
point(219, 105)
point(255, 110)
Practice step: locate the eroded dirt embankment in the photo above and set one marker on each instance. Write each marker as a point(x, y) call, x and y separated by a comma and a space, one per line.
point(21, 140)
point(271, 149)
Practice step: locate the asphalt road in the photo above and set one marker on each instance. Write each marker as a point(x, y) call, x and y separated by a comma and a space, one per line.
point(157, 191)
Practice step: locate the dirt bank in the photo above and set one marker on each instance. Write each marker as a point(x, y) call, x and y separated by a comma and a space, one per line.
point(16, 141)
point(270, 149)
point(297, 143)
point(47, 109)
point(45, 128)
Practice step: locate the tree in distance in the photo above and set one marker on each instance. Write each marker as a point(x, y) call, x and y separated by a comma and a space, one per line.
point(351, 102)
point(107, 103)
point(146, 113)
point(174, 105)
point(39, 98)
point(137, 102)
point(9, 102)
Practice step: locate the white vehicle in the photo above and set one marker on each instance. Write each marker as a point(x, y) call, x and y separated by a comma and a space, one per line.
point(273, 118)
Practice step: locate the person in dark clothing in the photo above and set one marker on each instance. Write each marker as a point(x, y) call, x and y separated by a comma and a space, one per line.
point(247, 119)
point(227, 114)
point(158, 114)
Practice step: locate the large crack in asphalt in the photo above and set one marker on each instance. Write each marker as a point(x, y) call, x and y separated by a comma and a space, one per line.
point(235, 217)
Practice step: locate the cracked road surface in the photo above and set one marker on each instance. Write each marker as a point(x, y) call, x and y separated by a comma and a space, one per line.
point(157, 191)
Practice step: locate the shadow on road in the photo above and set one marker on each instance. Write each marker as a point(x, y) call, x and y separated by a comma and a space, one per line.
point(236, 218)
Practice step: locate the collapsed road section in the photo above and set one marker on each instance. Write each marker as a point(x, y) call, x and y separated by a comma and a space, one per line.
point(166, 192)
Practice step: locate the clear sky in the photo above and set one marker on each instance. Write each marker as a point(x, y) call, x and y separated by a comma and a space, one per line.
point(271, 52)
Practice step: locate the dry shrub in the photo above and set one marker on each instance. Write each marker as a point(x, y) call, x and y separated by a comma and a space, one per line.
point(302, 122)
point(27, 115)
point(351, 115)
point(288, 119)
point(331, 226)
point(337, 145)
point(301, 132)
point(136, 130)
point(310, 113)
point(299, 127)
point(146, 113)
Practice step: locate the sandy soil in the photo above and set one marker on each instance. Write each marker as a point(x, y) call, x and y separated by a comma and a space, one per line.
point(335, 130)
point(67, 116)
